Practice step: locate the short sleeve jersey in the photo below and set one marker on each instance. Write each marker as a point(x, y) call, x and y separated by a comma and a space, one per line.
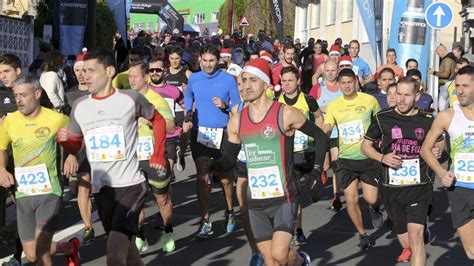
point(352, 118)
point(33, 142)
point(403, 135)
point(119, 111)
point(161, 106)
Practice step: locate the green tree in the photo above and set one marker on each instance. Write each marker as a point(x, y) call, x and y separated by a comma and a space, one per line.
point(259, 14)
point(105, 24)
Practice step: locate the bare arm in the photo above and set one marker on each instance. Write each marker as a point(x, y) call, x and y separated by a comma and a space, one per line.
point(440, 125)
point(318, 116)
point(6, 179)
point(317, 74)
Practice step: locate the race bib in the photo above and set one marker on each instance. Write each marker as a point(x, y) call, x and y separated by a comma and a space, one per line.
point(265, 183)
point(408, 174)
point(300, 141)
point(171, 104)
point(351, 132)
point(33, 180)
point(464, 167)
point(210, 137)
point(105, 144)
point(144, 148)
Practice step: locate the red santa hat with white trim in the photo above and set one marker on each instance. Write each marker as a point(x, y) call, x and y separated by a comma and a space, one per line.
point(225, 52)
point(260, 68)
point(80, 58)
point(267, 56)
point(345, 60)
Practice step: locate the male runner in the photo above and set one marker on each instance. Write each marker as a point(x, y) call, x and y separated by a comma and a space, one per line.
point(407, 184)
point(82, 174)
point(325, 92)
point(458, 122)
point(212, 92)
point(351, 113)
point(303, 150)
point(160, 183)
point(177, 75)
point(107, 121)
point(174, 97)
point(31, 133)
point(266, 129)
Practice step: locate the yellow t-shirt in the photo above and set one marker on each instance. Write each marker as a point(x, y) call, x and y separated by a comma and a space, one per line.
point(352, 118)
point(453, 97)
point(161, 106)
point(121, 81)
point(33, 142)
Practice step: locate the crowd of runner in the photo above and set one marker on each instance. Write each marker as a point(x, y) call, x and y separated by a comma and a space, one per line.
point(265, 118)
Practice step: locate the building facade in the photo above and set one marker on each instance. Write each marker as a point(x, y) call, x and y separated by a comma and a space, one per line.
point(204, 13)
point(331, 19)
point(18, 8)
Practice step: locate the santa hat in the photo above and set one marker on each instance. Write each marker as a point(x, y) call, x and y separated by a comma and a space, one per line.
point(267, 56)
point(345, 60)
point(80, 59)
point(225, 52)
point(260, 68)
point(334, 50)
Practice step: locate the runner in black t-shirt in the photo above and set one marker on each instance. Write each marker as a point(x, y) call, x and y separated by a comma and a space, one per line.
point(408, 182)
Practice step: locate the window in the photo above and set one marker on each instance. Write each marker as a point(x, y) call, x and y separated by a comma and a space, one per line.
point(347, 15)
point(139, 26)
point(199, 18)
point(331, 12)
point(215, 16)
point(315, 13)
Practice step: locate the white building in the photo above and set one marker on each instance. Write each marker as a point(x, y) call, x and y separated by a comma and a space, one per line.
point(330, 19)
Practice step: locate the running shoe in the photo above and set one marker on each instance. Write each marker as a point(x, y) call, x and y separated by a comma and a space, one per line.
point(364, 242)
point(180, 164)
point(377, 217)
point(169, 246)
point(427, 235)
point(74, 258)
point(299, 239)
point(88, 234)
point(405, 255)
point(229, 222)
point(142, 244)
point(336, 204)
point(256, 260)
point(306, 258)
point(205, 230)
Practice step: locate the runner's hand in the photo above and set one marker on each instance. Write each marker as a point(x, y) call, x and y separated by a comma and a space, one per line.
point(448, 179)
point(2, 118)
point(6, 179)
point(71, 166)
point(160, 169)
point(218, 102)
point(436, 152)
point(187, 126)
point(63, 134)
point(392, 160)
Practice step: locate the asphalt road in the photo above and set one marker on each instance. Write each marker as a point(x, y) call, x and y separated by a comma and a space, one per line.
point(331, 237)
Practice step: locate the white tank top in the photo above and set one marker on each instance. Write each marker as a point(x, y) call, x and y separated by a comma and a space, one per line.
point(461, 134)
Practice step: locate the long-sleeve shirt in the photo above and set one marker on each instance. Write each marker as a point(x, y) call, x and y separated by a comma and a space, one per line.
point(200, 91)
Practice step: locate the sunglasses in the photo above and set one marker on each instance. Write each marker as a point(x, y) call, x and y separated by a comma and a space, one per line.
point(157, 70)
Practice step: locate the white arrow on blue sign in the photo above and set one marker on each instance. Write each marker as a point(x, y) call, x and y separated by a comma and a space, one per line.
point(439, 15)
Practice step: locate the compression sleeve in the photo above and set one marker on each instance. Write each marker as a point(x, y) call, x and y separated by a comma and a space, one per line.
point(73, 145)
point(159, 135)
point(320, 141)
point(228, 159)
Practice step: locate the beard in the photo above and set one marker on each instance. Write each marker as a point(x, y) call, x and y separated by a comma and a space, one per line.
point(157, 81)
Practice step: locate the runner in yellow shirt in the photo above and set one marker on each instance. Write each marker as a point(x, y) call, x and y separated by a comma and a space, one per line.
point(31, 132)
point(352, 113)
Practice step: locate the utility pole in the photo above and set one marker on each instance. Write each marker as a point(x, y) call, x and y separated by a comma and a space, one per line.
point(230, 12)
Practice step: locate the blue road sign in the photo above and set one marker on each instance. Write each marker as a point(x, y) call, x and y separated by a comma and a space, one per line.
point(439, 15)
